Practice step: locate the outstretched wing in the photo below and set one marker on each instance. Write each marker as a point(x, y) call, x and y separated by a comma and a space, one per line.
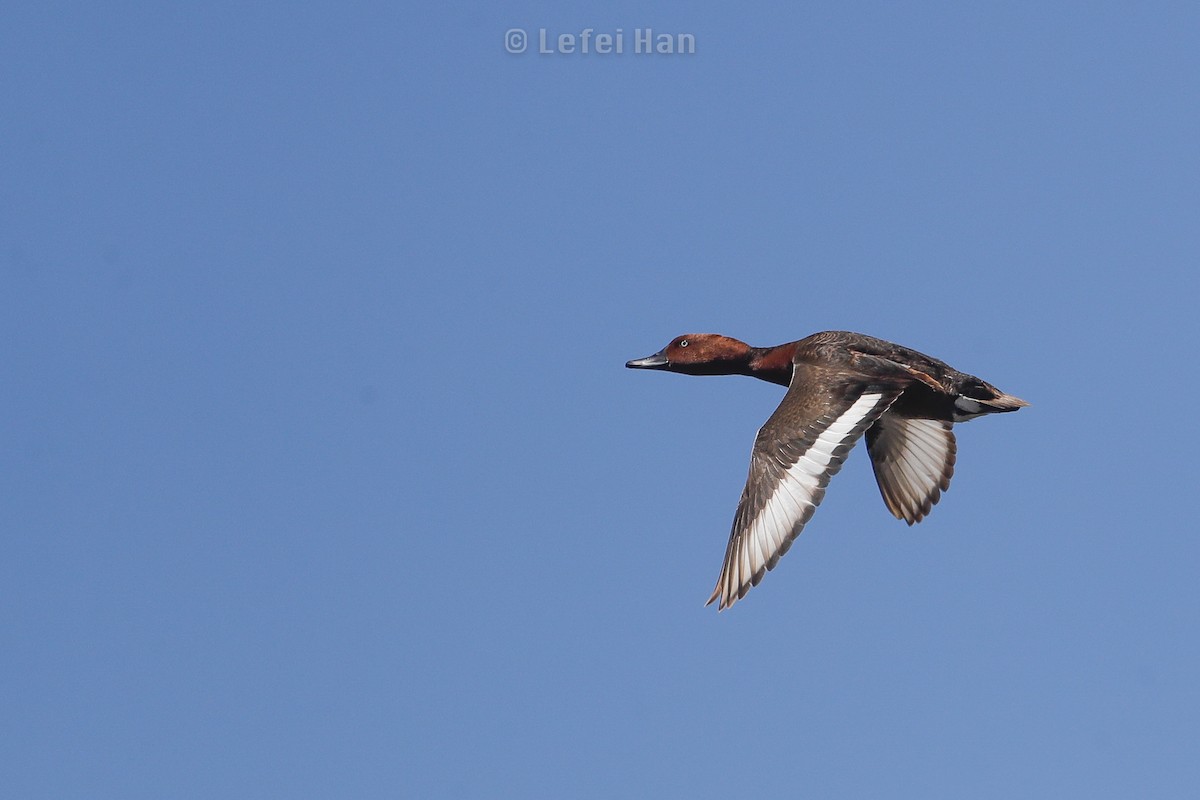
point(913, 461)
point(797, 451)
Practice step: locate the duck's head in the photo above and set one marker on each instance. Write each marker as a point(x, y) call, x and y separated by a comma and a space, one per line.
point(698, 354)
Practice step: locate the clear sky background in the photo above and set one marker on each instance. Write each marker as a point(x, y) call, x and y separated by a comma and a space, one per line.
point(323, 477)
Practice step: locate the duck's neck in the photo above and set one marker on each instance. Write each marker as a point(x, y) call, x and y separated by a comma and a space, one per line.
point(771, 364)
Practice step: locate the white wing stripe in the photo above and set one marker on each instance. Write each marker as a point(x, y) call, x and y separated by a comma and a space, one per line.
point(793, 495)
point(913, 459)
point(921, 443)
point(816, 467)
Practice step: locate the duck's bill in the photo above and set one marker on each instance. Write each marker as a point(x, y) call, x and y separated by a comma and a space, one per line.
point(656, 361)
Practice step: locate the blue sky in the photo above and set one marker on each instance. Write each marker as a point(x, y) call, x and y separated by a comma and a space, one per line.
point(323, 477)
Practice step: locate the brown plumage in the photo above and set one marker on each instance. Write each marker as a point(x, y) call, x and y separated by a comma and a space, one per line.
point(840, 386)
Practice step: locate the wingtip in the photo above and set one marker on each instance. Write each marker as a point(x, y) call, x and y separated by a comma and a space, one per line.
point(722, 599)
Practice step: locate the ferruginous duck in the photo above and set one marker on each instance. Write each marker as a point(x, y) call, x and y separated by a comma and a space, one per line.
point(840, 386)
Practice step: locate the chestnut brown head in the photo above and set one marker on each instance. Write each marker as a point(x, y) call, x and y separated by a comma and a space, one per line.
point(698, 354)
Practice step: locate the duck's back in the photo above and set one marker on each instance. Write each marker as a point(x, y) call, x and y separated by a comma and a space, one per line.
point(936, 386)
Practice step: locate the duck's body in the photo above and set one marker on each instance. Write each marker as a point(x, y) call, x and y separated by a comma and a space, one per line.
point(840, 386)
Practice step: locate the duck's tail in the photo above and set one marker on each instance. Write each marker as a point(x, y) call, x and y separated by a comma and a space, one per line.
point(966, 408)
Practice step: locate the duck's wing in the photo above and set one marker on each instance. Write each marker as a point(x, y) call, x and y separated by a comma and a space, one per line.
point(913, 461)
point(797, 451)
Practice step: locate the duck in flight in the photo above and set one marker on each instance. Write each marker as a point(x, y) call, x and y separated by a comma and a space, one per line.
point(841, 385)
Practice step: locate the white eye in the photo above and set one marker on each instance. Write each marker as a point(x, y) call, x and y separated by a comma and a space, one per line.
point(683, 342)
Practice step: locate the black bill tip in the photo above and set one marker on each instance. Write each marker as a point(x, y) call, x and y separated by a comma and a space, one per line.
point(656, 361)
